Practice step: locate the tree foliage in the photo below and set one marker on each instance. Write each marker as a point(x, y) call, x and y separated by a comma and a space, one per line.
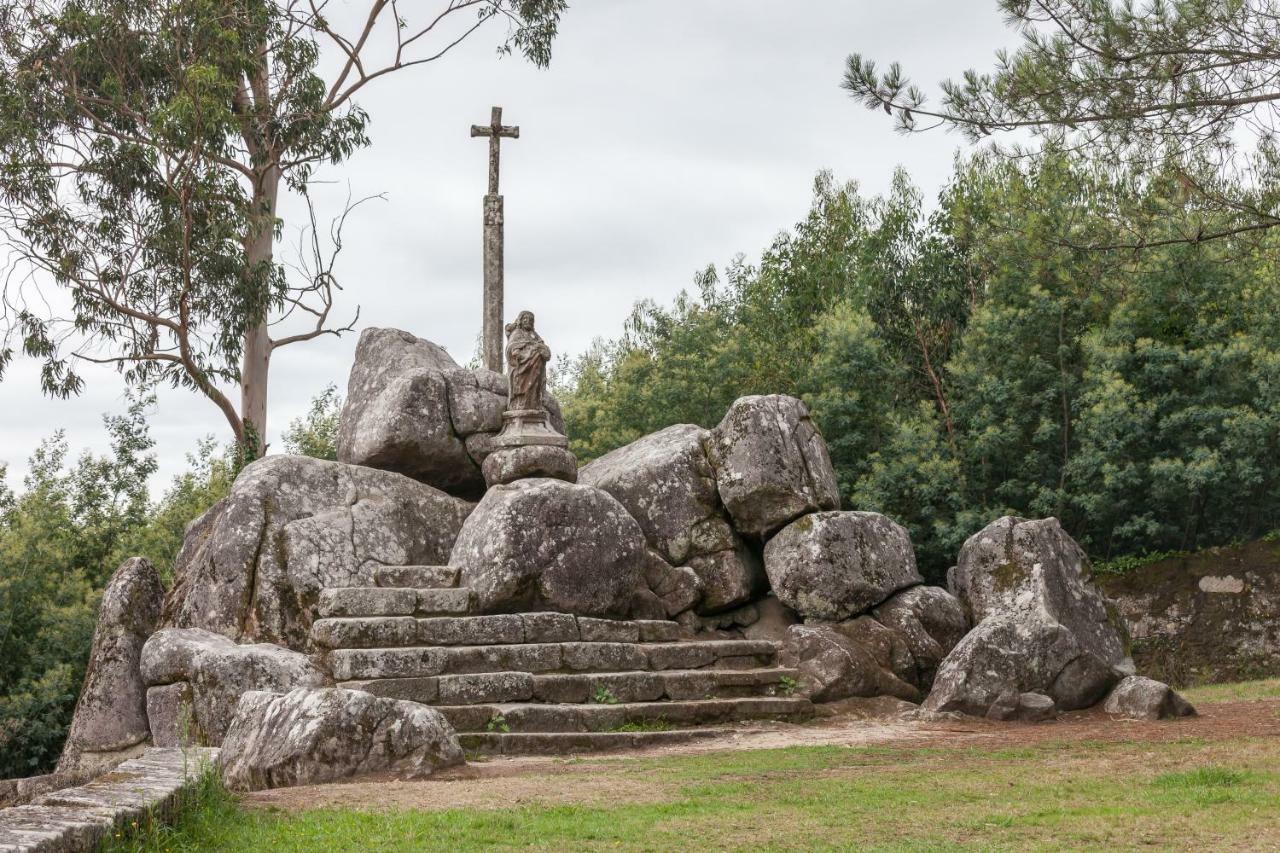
point(143, 150)
point(964, 364)
point(1187, 85)
point(60, 540)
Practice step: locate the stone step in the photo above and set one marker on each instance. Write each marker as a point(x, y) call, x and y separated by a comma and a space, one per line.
point(581, 688)
point(423, 661)
point(542, 717)
point(569, 743)
point(367, 632)
point(374, 601)
point(416, 577)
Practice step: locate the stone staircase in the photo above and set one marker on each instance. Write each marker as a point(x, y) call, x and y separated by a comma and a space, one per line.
point(548, 683)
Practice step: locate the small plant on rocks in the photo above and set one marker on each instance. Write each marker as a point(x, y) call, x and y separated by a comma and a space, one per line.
point(787, 685)
point(497, 723)
point(602, 695)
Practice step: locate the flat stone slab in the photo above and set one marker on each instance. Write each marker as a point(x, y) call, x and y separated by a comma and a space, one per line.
point(77, 819)
point(415, 577)
point(377, 601)
point(371, 632)
point(569, 743)
point(423, 661)
point(542, 717)
point(580, 688)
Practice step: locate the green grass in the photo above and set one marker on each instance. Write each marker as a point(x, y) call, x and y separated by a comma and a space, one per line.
point(1240, 691)
point(1185, 794)
point(658, 725)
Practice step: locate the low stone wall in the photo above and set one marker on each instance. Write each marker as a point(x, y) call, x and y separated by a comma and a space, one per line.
point(77, 819)
point(1207, 617)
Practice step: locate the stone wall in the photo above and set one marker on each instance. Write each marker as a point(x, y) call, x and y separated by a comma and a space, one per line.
point(1207, 617)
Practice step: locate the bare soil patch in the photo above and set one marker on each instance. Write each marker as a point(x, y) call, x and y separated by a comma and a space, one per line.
point(501, 783)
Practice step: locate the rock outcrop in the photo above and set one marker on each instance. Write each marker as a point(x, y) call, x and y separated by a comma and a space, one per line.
point(252, 567)
point(771, 464)
point(1041, 625)
point(309, 737)
point(410, 408)
point(110, 721)
point(212, 673)
point(545, 544)
point(1139, 698)
point(894, 651)
point(837, 565)
point(667, 484)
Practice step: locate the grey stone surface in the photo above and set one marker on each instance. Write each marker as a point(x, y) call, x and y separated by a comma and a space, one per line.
point(677, 588)
point(667, 484)
point(608, 630)
point(771, 464)
point(836, 565)
point(313, 736)
point(549, 627)
point(1026, 707)
point(396, 415)
point(1041, 626)
point(1015, 566)
point(110, 720)
point(728, 579)
point(508, 464)
point(252, 568)
point(1140, 698)
point(930, 620)
point(220, 671)
point(548, 545)
point(171, 715)
point(410, 408)
point(1031, 653)
point(80, 818)
point(834, 665)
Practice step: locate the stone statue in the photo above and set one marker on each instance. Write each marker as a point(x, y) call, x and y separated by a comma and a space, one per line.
point(525, 421)
point(527, 357)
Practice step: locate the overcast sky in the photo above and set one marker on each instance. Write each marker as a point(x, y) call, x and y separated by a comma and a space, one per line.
point(667, 134)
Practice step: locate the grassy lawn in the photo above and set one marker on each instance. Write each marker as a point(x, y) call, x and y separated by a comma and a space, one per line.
point(1240, 691)
point(1190, 793)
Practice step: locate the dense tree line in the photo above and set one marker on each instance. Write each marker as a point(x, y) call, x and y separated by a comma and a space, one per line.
point(978, 359)
point(61, 537)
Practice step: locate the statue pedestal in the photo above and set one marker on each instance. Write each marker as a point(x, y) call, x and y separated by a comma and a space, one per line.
point(528, 447)
point(524, 427)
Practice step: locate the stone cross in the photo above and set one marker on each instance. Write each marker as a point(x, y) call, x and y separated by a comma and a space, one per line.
point(493, 240)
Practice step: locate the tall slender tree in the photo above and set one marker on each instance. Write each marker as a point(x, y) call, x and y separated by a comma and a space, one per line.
point(144, 147)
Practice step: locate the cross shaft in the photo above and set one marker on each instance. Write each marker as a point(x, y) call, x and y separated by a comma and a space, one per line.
point(495, 130)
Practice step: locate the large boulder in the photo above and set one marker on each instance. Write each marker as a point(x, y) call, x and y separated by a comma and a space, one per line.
point(110, 721)
point(410, 408)
point(771, 464)
point(834, 665)
point(1006, 655)
point(930, 621)
point(892, 651)
point(836, 565)
point(665, 481)
point(667, 484)
point(252, 567)
point(309, 737)
point(545, 544)
point(1139, 698)
point(1041, 626)
point(1017, 566)
point(214, 672)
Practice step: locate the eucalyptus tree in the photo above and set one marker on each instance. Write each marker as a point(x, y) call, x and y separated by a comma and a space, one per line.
point(144, 146)
point(1141, 87)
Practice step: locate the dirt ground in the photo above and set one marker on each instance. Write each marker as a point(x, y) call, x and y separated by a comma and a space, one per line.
point(506, 782)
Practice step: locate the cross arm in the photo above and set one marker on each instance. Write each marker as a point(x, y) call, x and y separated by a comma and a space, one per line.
point(512, 131)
